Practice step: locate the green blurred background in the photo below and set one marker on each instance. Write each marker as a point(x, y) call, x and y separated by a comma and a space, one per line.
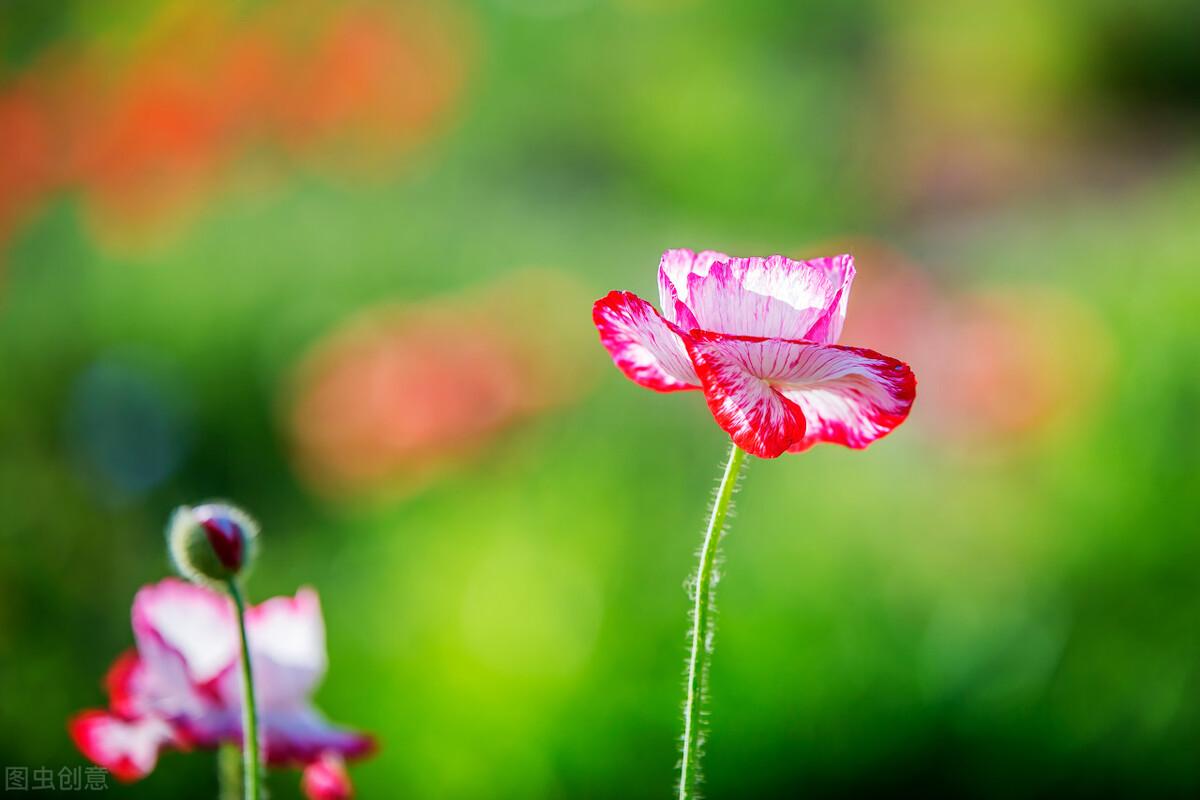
point(336, 261)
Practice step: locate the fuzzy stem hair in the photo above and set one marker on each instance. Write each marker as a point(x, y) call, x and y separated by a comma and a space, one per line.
point(703, 588)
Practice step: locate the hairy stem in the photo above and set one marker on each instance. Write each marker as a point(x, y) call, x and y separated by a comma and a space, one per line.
point(702, 635)
point(251, 756)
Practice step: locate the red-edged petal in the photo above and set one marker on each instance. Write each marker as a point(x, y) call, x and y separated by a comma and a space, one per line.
point(772, 297)
point(122, 682)
point(828, 328)
point(303, 734)
point(673, 271)
point(773, 395)
point(196, 623)
point(643, 345)
point(859, 396)
point(327, 779)
point(290, 737)
point(287, 646)
point(126, 748)
point(186, 640)
point(674, 310)
point(758, 418)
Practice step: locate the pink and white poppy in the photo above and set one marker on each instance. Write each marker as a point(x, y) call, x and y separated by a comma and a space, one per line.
point(757, 336)
point(180, 687)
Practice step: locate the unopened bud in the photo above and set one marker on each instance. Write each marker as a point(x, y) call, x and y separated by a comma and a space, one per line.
point(212, 543)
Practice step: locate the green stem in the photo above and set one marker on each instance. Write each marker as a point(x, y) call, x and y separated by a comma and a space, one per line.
point(702, 632)
point(251, 759)
point(229, 772)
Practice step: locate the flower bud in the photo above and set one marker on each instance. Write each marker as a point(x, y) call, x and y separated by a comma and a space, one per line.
point(211, 543)
point(326, 779)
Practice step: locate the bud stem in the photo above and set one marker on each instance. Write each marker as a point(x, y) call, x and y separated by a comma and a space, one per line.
point(251, 757)
point(704, 585)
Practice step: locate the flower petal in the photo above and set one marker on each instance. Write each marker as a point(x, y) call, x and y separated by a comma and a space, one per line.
point(773, 297)
point(840, 271)
point(773, 395)
point(326, 779)
point(643, 345)
point(287, 645)
point(673, 271)
point(194, 622)
point(303, 734)
point(673, 309)
point(290, 737)
point(759, 419)
point(124, 681)
point(162, 682)
point(126, 748)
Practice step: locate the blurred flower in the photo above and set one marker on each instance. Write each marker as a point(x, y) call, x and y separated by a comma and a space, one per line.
point(146, 133)
point(155, 145)
point(377, 79)
point(397, 395)
point(26, 170)
point(757, 335)
point(1045, 342)
point(326, 779)
point(180, 687)
point(1000, 365)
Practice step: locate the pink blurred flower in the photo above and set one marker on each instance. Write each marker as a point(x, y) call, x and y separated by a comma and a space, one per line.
point(757, 336)
point(376, 79)
point(972, 346)
point(326, 779)
point(27, 168)
point(180, 687)
point(398, 394)
point(146, 132)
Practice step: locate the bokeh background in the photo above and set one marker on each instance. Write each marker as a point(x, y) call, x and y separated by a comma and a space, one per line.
point(335, 261)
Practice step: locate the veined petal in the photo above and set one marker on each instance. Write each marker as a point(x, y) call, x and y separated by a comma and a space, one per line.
point(643, 345)
point(326, 779)
point(674, 310)
point(852, 396)
point(840, 271)
point(773, 297)
point(673, 271)
point(758, 418)
point(126, 748)
point(773, 395)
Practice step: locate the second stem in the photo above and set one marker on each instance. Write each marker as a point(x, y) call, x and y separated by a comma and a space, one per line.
point(251, 760)
point(701, 636)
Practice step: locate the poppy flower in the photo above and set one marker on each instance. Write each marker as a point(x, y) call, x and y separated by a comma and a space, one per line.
point(180, 687)
point(757, 336)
